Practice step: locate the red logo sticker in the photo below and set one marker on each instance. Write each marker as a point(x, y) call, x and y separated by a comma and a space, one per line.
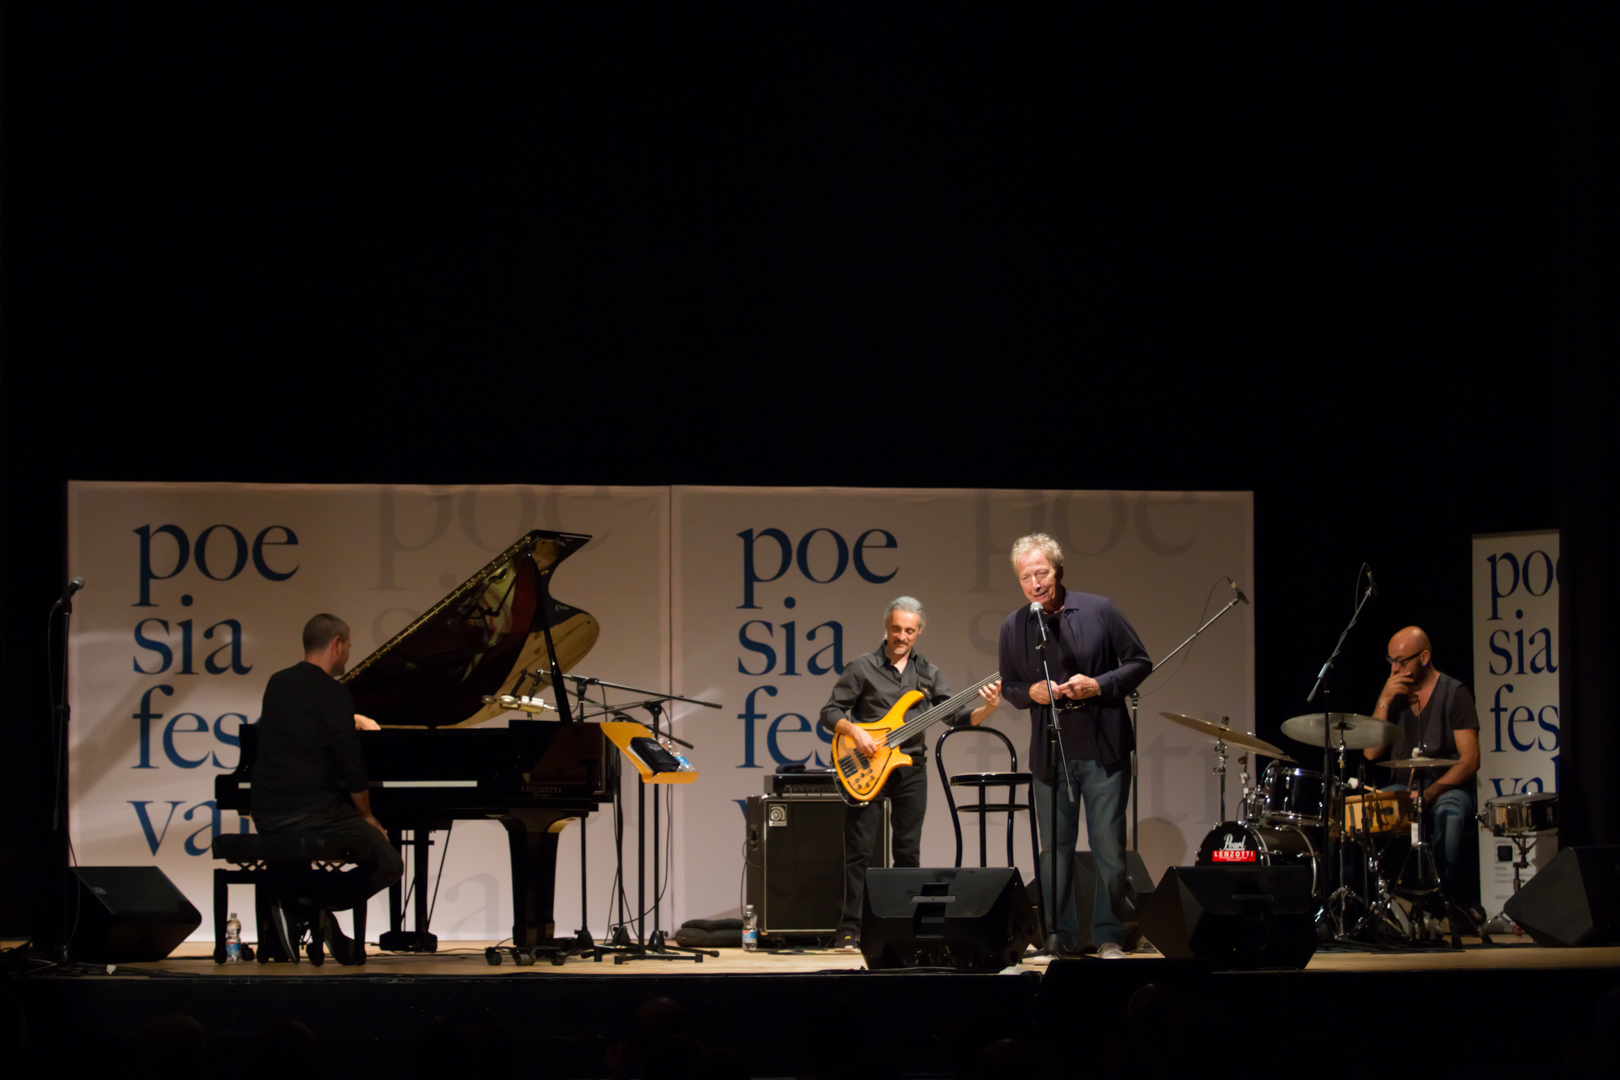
point(1239, 855)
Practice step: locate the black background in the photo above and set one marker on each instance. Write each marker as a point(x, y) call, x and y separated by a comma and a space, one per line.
point(1315, 256)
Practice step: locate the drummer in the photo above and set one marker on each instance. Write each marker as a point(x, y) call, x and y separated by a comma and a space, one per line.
point(1436, 717)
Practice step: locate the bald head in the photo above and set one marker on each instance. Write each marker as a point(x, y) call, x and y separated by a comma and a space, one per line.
point(1409, 641)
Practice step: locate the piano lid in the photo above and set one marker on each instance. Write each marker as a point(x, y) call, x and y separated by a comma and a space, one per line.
point(436, 671)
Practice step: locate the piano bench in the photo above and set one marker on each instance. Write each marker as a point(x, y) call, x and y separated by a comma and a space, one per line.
point(276, 862)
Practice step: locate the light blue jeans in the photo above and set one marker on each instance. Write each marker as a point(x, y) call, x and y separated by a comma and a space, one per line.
point(1449, 816)
point(1104, 797)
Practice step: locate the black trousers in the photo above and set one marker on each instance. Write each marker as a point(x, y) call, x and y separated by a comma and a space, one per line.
point(907, 792)
point(346, 888)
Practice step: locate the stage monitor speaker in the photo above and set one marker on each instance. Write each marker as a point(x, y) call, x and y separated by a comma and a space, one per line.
point(127, 914)
point(1236, 917)
point(794, 872)
point(965, 918)
point(1572, 901)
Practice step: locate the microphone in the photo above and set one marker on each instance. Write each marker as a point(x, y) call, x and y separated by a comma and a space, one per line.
point(72, 587)
point(1237, 590)
point(1372, 586)
point(1040, 620)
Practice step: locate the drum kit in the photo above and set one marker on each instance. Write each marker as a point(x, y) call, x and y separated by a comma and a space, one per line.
point(1294, 816)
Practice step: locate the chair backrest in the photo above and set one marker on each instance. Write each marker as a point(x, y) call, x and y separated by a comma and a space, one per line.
point(939, 747)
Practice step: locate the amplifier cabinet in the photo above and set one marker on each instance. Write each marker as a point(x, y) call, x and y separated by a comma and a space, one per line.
point(794, 870)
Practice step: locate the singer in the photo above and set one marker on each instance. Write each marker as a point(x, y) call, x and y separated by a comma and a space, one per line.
point(1095, 659)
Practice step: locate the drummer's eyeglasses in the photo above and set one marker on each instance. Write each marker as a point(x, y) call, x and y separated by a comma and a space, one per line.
point(1402, 661)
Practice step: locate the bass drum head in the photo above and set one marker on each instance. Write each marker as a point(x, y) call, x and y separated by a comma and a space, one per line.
point(1237, 843)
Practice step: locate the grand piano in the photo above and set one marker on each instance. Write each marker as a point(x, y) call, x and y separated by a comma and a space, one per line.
point(429, 766)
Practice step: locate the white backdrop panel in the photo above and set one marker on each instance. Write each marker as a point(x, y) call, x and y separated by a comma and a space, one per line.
point(169, 654)
point(1515, 579)
point(770, 585)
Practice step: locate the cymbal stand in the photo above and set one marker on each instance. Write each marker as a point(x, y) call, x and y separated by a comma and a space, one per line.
point(1338, 902)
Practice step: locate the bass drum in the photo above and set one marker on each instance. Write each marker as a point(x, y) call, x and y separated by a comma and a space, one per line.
point(1236, 843)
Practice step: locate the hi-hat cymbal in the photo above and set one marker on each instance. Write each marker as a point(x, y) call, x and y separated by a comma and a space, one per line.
point(1356, 732)
point(1420, 763)
point(1231, 735)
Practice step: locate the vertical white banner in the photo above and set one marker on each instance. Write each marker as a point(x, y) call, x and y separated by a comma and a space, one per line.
point(1515, 580)
point(197, 593)
point(776, 589)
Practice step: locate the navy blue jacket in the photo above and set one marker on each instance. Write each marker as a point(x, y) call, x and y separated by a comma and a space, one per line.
point(1093, 638)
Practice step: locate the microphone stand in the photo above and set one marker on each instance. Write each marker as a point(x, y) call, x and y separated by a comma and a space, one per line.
point(1054, 755)
point(1330, 776)
point(1136, 700)
point(61, 850)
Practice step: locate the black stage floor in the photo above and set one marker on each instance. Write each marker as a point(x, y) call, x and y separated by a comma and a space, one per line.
point(812, 1014)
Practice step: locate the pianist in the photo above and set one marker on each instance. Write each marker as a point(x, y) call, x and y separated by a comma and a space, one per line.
point(309, 757)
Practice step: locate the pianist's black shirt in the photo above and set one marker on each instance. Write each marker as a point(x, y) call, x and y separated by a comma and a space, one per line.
point(308, 750)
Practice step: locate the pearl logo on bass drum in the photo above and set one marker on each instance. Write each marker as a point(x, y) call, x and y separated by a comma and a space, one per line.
point(1232, 850)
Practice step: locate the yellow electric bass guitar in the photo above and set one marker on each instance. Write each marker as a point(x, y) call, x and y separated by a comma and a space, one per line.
point(863, 777)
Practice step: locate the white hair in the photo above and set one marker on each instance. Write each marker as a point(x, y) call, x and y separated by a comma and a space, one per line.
point(1037, 542)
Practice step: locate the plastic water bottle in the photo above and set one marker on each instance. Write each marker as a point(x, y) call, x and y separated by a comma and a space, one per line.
point(233, 940)
point(750, 929)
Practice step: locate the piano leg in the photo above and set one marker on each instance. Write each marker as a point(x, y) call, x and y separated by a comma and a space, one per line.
point(532, 837)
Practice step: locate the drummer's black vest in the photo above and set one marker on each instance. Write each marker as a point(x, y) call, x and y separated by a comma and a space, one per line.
point(1434, 720)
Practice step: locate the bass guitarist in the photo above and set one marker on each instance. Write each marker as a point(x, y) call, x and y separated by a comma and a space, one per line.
point(870, 686)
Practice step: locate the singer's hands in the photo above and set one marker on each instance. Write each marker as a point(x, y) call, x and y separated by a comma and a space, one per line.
point(1079, 687)
point(1076, 688)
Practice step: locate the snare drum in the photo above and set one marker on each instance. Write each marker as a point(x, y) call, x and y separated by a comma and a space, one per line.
point(1521, 815)
point(1233, 843)
point(1386, 812)
point(1291, 796)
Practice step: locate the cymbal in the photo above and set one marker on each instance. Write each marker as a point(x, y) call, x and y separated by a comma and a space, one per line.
point(1358, 732)
point(1231, 735)
point(1420, 763)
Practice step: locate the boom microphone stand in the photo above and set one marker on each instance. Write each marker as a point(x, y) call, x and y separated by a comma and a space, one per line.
point(62, 849)
point(1333, 853)
point(1136, 700)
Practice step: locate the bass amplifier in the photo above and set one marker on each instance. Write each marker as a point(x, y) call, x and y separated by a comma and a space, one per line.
point(794, 870)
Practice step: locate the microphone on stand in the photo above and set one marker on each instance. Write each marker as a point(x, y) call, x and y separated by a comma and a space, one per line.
point(1372, 586)
point(72, 587)
point(1237, 591)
